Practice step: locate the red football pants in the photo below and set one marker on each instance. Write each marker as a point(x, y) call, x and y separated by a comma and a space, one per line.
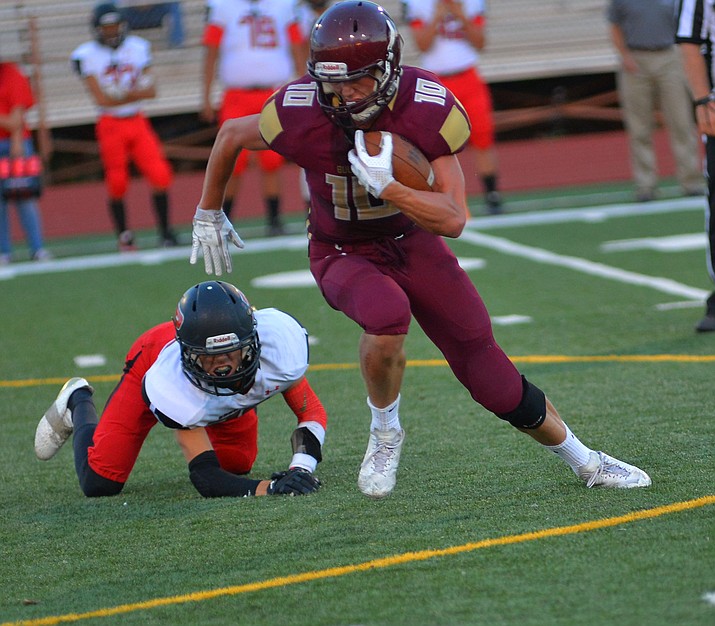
point(473, 93)
point(122, 140)
point(127, 420)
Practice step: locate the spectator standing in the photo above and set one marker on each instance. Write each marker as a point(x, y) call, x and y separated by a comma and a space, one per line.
point(141, 14)
point(696, 36)
point(650, 77)
point(115, 69)
point(257, 45)
point(449, 35)
point(15, 143)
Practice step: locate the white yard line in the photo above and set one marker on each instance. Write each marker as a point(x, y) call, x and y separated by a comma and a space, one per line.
point(671, 243)
point(664, 285)
point(298, 242)
point(588, 214)
point(148, 257)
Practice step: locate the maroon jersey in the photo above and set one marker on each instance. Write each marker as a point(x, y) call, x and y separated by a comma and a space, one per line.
point(341, 210)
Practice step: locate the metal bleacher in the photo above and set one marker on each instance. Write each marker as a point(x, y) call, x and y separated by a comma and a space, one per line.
point(61, 26)
point(526, 39)
point(529, 39)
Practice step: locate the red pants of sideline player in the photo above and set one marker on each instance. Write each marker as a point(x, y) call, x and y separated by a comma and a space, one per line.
point(242, 102)
point(473, 93)
point(126, 139)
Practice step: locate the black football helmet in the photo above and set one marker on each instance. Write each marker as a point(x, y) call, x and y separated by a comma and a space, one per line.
point(108, 14)
point(211, 318)
point(352, 39)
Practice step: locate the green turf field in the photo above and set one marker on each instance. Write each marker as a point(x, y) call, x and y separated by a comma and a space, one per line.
point(484, 527)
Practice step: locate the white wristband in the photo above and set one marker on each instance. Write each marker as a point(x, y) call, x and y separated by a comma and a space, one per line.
point(303, 461)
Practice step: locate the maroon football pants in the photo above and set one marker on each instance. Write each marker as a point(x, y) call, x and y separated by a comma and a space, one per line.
point(381, 284)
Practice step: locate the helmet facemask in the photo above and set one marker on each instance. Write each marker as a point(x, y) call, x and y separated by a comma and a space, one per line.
point(114, 40)
point(220, 383)
point(352, 115)
point(106, 15)
point(215, 318)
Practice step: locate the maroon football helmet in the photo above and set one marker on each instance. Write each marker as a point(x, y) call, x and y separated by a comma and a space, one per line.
point(352, 39)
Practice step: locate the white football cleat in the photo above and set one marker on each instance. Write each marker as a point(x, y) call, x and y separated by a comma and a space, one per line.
point(605, 471)
point(55, 427)
point(378, 472)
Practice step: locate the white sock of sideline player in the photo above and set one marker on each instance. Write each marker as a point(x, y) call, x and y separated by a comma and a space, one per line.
point(387, 418)
point(572, 451)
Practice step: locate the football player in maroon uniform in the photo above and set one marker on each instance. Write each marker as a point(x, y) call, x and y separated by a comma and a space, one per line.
point(376, 248)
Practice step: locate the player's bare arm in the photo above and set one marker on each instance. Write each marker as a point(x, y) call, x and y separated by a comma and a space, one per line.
point(104, 99)
point(473, 29)
point(442, 211)
point(425, 33)
point(193, 442)
point(207, 112)
point(213, 233)
point(212, 481)
point(12, 122)
point(234, 135)
point(697, 74)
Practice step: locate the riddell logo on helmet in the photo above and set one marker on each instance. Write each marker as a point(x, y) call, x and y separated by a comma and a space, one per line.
point(221, 341)
point(331, 68)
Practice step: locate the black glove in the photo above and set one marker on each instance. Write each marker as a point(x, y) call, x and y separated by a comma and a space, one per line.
point(294, 482)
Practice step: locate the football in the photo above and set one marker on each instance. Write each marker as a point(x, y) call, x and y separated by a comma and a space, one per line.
point(409, 166)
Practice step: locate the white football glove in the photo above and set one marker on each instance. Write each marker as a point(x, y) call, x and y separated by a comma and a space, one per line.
point(212, 234)
point(373, 172)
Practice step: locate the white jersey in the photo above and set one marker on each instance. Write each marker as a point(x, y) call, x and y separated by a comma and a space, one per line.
point(450, 53)
point(255, 48)
point(283, 361)
point(307, 17)
point(115, 69)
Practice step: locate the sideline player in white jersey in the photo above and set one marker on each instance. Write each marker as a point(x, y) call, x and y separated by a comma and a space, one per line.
point(115, 70)
point(202, 374)
point(449, 35)
point(257, 45)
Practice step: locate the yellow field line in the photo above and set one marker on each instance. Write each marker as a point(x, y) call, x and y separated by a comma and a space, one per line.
point(390, 561)
point(535, 358)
